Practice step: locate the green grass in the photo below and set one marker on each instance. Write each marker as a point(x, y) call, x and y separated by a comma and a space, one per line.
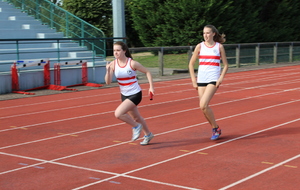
point(174, 61)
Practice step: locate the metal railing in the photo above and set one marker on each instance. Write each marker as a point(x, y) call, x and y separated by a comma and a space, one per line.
point(262, 53)
point(56, 49)
point(63, 21)
point(238, 55)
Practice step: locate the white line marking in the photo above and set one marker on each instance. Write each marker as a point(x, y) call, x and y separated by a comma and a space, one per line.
point(90, 115)
point(115, 182)
point(136, 178)
point(181, 111)
point(125, 174)
point(261, 172)
point(84, 105)
point(189, 153)
point(79, 117)
point(81, 97)
point(23, 164)
point(161, 115)
point(50, 162)
point(228, 78)
point(98, 103)
point(161, 183)
point(95, 178)
point(187, 127)
point(83, 168)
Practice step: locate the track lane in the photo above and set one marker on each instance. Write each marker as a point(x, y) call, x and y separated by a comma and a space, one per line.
point(290, 95)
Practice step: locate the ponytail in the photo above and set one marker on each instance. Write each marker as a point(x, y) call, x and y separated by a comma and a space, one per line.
point(218, 37)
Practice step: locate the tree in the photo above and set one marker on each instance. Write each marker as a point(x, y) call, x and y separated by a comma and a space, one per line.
point(180, 22)
point(241, 21)
point(95, 12)
point(133, 39)
point(280, 20)
point(144, 18)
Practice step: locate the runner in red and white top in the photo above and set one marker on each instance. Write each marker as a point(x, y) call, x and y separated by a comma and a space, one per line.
point(209, 78)
point(124, 68)
point(209, 63)
point(126, 77)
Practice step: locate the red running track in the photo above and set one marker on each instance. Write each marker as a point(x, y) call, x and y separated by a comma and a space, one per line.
point(73, 141)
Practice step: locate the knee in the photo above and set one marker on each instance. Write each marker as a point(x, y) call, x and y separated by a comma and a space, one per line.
point(203, 107)
point(118, 115)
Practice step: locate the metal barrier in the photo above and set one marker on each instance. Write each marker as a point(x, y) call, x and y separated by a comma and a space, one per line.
point(63, 21)
point(56, 49)
point(238, 55)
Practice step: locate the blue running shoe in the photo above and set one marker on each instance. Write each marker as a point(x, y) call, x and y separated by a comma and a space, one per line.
point(136, 131)
point(147, 139)
point(216, 132)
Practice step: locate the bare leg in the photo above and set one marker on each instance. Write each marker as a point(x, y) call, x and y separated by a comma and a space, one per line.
point(205, 95)
point(122, 112)
point(135, 114)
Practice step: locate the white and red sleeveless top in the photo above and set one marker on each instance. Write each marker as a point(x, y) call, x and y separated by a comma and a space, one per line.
point(209, 69)
point(126, 77)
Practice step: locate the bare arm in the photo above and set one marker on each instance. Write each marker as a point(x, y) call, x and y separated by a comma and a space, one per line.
point(191, 66)
point(136, 65)
point(225, 68)
point(109, 72)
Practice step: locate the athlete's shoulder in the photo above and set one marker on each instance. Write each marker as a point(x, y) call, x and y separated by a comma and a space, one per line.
point(198, 46)
point(221, 46)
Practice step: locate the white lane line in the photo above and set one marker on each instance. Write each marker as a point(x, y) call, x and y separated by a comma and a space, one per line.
point(276, 76)
point(85, 105)
point(86, 169)
point(187, 127)
point(90, 115)
point(81, 97)
point(295, 81)
point(136, 178)
point(98, 103)
point(145, 167)
point(189, 153)
point(49, 162)
point(259, 173)
point(97, 95)
point(161, 115)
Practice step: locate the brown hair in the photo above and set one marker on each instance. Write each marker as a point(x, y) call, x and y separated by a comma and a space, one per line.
point(124, 48)
point(218, 37)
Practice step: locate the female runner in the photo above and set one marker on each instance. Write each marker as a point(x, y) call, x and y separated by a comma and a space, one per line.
point(124, 68)
point(209, 78)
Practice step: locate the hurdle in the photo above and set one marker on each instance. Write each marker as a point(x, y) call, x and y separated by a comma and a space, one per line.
point(84, 74)
point(22, 64)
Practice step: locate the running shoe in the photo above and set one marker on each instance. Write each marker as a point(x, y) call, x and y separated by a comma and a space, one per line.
point(147, 139)
point(136, 131)
point(216, 132)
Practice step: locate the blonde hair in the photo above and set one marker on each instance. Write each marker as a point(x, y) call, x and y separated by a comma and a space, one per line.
point(218, 37)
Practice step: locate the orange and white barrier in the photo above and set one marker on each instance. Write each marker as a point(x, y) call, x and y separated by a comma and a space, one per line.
point(84, 74)
point(22, 64)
